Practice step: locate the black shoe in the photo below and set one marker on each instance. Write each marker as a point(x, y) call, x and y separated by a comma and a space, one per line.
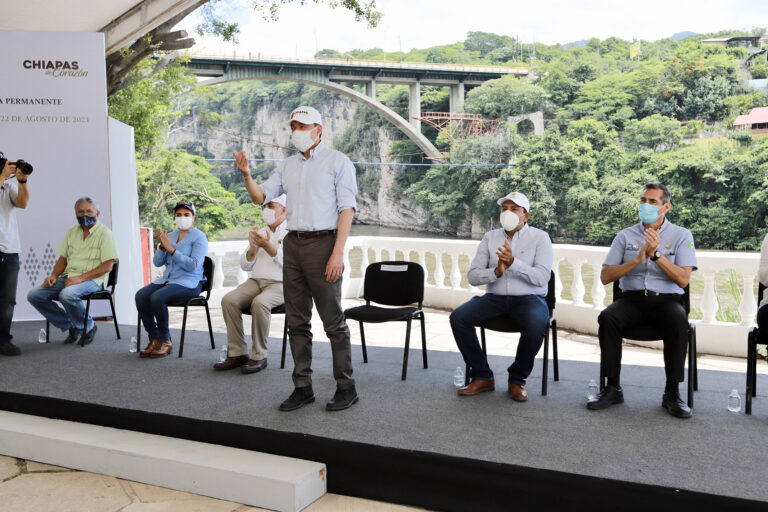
point(88, 337)
point(342, 399)
point(299, 397)
point(674, 405)
point(9, 349)
point(74, 335)
point(607, 397)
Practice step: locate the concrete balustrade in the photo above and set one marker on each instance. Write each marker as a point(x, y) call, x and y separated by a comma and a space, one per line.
point(577, 270)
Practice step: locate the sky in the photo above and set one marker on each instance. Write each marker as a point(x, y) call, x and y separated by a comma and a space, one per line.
point(302, 30)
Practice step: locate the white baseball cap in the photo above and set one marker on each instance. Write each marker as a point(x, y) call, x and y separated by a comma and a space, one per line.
point(279, 199)
point(306, 115)
point(518, 198)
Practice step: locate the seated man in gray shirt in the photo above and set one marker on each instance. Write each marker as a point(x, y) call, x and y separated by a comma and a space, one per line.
point(515, 262)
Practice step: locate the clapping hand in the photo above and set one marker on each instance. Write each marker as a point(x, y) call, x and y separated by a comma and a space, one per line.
point(256, 239)
point(652, 241)
point(161, 236)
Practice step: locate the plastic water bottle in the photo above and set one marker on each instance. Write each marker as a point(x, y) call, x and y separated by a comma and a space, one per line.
point(41, 337)
point(133, 345)
point(458, 377)
point(734, 401)
point(223, 354)
point(592, 390)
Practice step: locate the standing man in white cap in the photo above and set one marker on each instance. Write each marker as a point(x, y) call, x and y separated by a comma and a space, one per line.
point(514, 262)
point(321, 187)
point(262, 291)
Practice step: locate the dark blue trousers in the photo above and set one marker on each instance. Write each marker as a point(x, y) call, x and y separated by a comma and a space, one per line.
point(152, 303)
point(529, 313)
point(9, 276)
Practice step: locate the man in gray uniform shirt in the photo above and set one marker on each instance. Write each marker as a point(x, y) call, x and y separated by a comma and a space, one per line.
point(321, 187)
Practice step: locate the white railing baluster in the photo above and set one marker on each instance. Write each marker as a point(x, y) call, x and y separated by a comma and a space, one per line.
point(598, 290)
point(748, 306)
point(709, 300)
point(558, 282)
point(455, 277)
point(439, 272)
point(347, 265)
point(218, 272)
point(577, 287)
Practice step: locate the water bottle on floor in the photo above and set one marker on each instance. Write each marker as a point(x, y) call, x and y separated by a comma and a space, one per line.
point(133, 345)
point(592, 390)
point(734, 401)
point(458, 377)
point(223, 354)
point(41, 337)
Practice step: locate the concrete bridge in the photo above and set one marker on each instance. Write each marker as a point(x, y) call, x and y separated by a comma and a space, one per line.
point(330, 73)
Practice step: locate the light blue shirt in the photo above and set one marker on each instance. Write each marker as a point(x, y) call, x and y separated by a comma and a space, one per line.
point(318, 188)
point(185, 266)
point(676, 245)
point(530, 271)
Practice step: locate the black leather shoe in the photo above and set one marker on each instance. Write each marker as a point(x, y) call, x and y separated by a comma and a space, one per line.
point(299, 397)
point(674, 405)
point(607, 397)
point(253, 365)
point(74, 335)
point(89, 336)
point(342, 399)
point(9, 349)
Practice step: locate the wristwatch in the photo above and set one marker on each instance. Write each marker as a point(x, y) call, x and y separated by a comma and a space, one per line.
point(656, 256)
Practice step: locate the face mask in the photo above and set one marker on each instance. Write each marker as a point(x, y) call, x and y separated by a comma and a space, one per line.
point(648, 213)
point(268, 214)
point(302, 139)
point(86, 221)
point(509, 220)
point(184, 223)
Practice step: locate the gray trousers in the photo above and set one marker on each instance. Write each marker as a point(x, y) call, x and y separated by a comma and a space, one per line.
point(258, 296)
point(304, 262)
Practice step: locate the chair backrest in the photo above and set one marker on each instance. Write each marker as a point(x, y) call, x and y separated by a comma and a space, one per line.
point(394, 283)
point(208, 268)
point(617, 293)
point(760, 292)
point(551, 299)
point(112, 280)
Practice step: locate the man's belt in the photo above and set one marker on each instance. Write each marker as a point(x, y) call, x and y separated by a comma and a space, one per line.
point(650, 293)
point(312, 234)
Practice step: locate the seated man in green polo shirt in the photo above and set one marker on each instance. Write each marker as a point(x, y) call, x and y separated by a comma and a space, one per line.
point(86, 256)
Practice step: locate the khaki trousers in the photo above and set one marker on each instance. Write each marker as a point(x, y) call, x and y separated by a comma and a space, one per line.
point(258, 296)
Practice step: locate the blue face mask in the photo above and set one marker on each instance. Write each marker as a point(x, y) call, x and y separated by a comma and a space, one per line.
point(648, 213)
point(86, 221)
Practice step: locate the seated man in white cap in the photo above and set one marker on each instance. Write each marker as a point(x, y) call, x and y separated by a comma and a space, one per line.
point(514, 262)
point(262, 291)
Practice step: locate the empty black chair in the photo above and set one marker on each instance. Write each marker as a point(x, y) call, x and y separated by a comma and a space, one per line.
point(200, 301)
point(392, 283)
point(509, 325)
point(277, 310)
point(105, 294)
point(752, 341)
point(653, 333)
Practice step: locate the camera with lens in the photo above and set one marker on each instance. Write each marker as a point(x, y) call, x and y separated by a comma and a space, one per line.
point(22, 166)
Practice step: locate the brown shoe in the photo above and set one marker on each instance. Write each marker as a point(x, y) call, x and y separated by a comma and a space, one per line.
point(517, 392)
point(153, 345)
point(165, 349)
point(253, 365)
point(231, 362)
point(476, 386)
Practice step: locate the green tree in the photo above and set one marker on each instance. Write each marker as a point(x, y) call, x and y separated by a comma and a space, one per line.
point(654, 132)
point(759, 70)
point(506, 96)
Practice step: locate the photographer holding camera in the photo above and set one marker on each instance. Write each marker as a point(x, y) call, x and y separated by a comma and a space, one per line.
point(13, 194)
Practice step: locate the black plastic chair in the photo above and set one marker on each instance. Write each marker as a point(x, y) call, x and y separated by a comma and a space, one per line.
point(201, 301)
point(509, 325)
point(392, 283)
point(105, 294)
point(752, 341)
point(653, 333)
point(278, 310)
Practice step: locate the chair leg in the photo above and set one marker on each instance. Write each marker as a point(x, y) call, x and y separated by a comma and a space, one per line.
point(554, 350)
point(691, 367)
point(545, 367)
point(362, 340)
point(85, 322)
point(751, 354)
point(210, 328)
point(695, 361)
point(47, 330)
point(138, 335)
point(602, 372)
point(482, 340)
point(285, 342)
point(466, 376)
point(183, 330)
point(423, 340)
point(407, 346)
point(114, 317)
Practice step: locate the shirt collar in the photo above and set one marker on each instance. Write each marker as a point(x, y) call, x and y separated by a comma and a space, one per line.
point(641, 227)
point(93, 229)
point(319, 148)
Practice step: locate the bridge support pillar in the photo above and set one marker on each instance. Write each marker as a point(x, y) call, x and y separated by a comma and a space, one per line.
point(370, 89)
point(456, 98)
point(414, 104)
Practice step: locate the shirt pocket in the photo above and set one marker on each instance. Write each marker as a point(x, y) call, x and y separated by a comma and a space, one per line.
point(526, 255)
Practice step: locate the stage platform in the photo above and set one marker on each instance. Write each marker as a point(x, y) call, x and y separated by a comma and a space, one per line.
point(416, 442)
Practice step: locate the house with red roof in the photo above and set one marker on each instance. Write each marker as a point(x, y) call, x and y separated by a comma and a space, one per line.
point(756, 121)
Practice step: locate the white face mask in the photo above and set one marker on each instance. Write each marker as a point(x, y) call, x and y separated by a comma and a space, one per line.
point(269, 216)
point(509, 220)
point(184, 223)
point(302, 139)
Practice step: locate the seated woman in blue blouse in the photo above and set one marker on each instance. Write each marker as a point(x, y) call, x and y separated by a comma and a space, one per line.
point(182, 252)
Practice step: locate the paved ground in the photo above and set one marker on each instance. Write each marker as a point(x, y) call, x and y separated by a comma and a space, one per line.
point(30, 486)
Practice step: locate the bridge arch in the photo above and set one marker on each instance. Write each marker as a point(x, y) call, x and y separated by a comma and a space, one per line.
point(393, 117)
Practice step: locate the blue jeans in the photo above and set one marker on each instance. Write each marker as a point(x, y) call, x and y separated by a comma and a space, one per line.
point(9, 276)
point(74, 310)
point(152, 304)
point(529, 313)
